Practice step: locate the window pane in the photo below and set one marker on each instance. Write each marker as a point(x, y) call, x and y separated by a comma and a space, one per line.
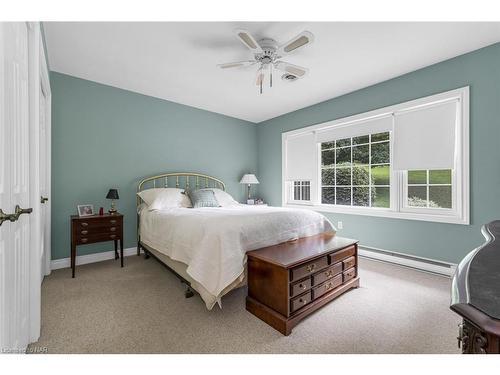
point(328, 176)
point(440, 196)
point(361, 196)
point(381, 197)
point(381, 175)
point(327, 145)
point(361, 154)
point(344, 196)
point(296, 192)
point(344, 155)
point(306, 192)
point(380, 153)
point(343, 142)
point(380, 137)
point(442, 176)
point(328, 157)
point(343, 176)
point(362, 139)
point(328, 195)
point(417, 177)
point(417, 196)
point(360, 175)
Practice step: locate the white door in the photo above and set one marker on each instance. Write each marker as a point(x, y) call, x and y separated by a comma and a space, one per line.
point(44, 161)
point(14, 187)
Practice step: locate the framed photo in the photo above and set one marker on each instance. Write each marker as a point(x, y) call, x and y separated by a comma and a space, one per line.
point(250, 201)
point(86, 210)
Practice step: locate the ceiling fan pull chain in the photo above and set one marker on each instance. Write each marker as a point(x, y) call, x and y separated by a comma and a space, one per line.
point(271, 75)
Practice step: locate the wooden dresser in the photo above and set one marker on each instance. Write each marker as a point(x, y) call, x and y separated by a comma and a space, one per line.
point(289, 281)
point(475, 295)
point(96, 228)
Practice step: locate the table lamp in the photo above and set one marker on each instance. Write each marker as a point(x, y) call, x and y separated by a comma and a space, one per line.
point(112, 194)
point(249, 179)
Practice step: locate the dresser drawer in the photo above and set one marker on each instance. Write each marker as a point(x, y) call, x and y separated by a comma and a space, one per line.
point(326, 274)
point(342, 254)
point(327, 286)
point(308, 268)
point(349, 274)
point(82, 240)
point(300, 301)
point(85, 232)
point(349, 263)
point(300, 287)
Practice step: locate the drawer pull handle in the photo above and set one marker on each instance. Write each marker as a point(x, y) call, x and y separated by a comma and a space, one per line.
point(84, 239)
point(112, 221)
point(302, 286)
point(85, 224)
point(112, 229)
point(329, 274)
point(84, 232)
point(302, 301)
point(113, 236)
point(328, 286)
point(311, 267)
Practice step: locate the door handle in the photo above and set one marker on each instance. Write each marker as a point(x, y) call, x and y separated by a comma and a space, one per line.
point(15, 216)
point(43, 199)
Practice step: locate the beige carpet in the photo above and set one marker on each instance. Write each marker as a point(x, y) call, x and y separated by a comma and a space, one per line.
point(141, 309)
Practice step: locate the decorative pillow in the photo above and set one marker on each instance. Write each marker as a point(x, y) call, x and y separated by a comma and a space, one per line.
point(160, 198)
point(203, 198)
point(224, 199)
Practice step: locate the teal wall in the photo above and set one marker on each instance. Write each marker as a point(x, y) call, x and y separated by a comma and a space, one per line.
point(105, 137)
point(449, 242)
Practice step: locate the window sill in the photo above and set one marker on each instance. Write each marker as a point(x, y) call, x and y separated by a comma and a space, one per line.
point(383, 212)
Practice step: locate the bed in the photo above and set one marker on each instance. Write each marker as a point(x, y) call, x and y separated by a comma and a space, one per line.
point(206, 247)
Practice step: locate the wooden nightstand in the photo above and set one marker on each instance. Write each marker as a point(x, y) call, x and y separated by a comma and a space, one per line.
point(96, 228)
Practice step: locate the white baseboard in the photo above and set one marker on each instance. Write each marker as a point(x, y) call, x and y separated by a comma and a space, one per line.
point(90, 258)
point(411, 261)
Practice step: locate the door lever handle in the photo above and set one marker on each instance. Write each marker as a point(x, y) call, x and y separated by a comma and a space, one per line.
point(15, 216)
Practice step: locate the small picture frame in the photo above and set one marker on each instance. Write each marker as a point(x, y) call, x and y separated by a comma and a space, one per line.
point(250, 201)
point(85, 210)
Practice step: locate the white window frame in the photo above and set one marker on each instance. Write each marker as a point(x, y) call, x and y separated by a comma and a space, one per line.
point(460, 214)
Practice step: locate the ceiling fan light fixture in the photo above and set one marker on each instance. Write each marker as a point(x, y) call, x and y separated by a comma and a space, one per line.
point(289, 77)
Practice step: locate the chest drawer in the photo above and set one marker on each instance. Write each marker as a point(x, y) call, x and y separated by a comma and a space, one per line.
point(327, 286)
point(349, 274)
point(342, 254)
point(300, 287)
point(300, 301)
point(349, 263)
point(308, 268)
point(326, 274)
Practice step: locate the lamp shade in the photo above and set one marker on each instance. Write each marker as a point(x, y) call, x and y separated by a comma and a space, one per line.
point(112, 194)
point(249, 179)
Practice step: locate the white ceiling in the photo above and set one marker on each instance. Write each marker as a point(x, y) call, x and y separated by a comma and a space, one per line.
point(177, 61)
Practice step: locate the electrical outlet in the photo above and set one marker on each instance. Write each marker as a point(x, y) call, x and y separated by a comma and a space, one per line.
point(339, 225)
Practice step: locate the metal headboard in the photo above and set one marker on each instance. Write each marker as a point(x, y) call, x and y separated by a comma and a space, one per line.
point(183, 180)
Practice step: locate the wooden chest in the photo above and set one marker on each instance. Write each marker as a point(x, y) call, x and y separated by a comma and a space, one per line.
point(289, 281)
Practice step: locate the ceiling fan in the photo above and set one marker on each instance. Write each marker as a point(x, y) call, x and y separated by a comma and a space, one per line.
point(267, 56)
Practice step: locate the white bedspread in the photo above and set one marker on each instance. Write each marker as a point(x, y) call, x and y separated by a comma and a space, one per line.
point(213, 241)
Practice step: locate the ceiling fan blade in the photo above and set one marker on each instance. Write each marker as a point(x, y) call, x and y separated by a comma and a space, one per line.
point(296, 70)
point(248, 40)
point(236, 64)
point(303, 39)
point(260, 77)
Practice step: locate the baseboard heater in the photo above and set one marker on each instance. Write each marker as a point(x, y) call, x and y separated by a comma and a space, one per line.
point(410, 261)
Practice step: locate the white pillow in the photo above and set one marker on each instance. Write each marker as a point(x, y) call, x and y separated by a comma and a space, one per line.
point(160, 198)
point(224, 199)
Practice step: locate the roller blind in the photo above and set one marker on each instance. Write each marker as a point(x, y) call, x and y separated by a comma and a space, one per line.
point(300, 157)
point(354, 129)
point(424, 138)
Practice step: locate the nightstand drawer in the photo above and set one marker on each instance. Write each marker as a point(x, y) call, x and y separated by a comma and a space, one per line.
point(98, 223)
point(85, 231)
point(99, 237)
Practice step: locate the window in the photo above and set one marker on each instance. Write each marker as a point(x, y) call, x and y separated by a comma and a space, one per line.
point(356, 171)
point(430, 188)
point(410, 161)
point(302, 191)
